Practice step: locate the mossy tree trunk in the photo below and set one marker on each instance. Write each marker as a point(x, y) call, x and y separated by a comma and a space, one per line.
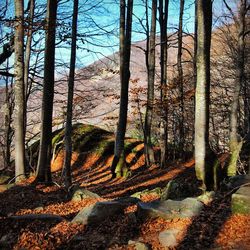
point(19, 91)
point(148, 147)
point(44, 159)
point(125, 49)
point(236, 141)
point(68, 128)
point(163, 20)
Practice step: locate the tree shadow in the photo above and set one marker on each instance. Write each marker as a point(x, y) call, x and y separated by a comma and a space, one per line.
point(201, 234)
point(111, 233)
point(28, 197)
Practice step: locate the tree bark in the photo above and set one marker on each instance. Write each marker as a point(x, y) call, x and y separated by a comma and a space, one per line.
point(27, 66)
point(163, 19)
point(68, 128)
point(149, 153)
point(202, 95)
point(180, 81)
point(236, 141)
point(125, 48)
point(19, 91)
point(44, 159)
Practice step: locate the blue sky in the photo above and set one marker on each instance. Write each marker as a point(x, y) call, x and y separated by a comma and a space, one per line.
point(94, 45)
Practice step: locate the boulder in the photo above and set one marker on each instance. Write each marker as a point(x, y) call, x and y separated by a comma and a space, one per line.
point(236, 181)
point(167, 238)
point(170, 209)
point(100, 211)
point(178, 190)
point(241, 201)
point(82, 193)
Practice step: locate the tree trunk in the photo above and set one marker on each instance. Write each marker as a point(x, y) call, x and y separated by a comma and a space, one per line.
point(236, 142)
point(43, 168)
point(8, 133)
point(149, 153)
point(19, 92)
point(202, 96)
point(180, 81)
point(125, 48)
point(68, 128)
point(27, 66)
point(163, 19)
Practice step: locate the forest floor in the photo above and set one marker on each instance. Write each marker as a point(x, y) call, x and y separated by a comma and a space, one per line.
point(215, 227)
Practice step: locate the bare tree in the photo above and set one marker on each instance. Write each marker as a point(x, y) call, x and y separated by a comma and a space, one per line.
point(68, 128)
point(43, 168)
point(180, 79)
point(19, 91)
point(149, 153)
point(118, 163)
point(236, 140)
point(163, 20)
point(203, 166)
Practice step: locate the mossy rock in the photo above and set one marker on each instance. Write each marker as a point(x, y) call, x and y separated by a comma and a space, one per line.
point(241, 201)
point(6, 187)
point(156, 191)
point(4, 179)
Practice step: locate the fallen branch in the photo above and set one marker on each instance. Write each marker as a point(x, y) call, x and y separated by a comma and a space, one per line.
point(37, 217)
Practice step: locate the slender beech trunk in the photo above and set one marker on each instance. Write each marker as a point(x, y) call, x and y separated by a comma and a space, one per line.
point(195, 63)
point(202, 95)
point(236, 141)
point(7, 121)
point(149, 153)
point(180, 80)
point(68, 128)
point(27, 65)
point(43, 168)
point(118, 167)
point(163, 20)
point(19, 91)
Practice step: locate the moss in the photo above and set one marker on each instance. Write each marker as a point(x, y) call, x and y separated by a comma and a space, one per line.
point(241, 205)
point(232, 166)
point(120, 165)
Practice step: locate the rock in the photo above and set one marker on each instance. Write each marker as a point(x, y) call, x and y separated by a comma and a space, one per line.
point(177, 190)
point(236, 181)
point(168, 238)
point(170, 209)
point(156, 191)
point(101, 210)
point(207, 197)
point(241, 201)
point(138, 245)
point(83, 215)
point(82, 193)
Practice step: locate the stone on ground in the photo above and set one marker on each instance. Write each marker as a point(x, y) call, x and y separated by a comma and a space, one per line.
point(100, 211)
point(138, 245)
point(241, 201)
point(167, 238)
point(170, 209)
point(82, 193)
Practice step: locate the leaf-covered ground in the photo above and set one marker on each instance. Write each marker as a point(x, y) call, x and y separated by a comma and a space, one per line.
point(215, 227)
point(22, 208)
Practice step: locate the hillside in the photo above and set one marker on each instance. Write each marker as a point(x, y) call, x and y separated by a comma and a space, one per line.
point(42, 217)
